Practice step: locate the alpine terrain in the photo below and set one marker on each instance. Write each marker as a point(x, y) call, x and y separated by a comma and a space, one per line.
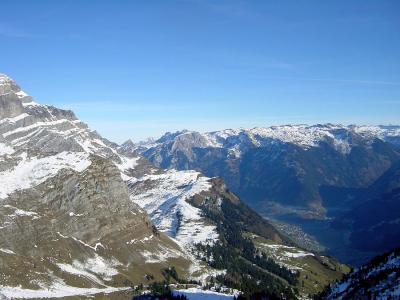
point(81, 216)
point(261, 163)
point(304, 175)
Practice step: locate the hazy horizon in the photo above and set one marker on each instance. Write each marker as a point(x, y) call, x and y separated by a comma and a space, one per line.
point(137, 70)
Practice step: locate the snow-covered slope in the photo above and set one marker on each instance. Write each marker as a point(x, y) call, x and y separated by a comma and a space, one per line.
point(388, 133)
point(164, 197)
point(379, 279)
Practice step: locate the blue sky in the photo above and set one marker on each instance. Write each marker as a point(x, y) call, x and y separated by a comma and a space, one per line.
point(133, 69)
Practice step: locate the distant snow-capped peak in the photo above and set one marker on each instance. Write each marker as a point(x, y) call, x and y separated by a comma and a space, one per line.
point(342, 137)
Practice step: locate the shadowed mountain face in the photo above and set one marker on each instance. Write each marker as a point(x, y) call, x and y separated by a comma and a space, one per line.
point(375, 221)
point(81, 216)
point(280, 170)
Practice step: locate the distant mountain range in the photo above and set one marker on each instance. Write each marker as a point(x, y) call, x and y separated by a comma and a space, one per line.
point(281, 169)
point(80, 215)
point(297, 173)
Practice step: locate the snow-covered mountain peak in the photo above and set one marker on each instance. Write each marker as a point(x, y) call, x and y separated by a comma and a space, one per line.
point(169, 136)
point(32, 128)
point(379, 131)
point(301, 135)
point(9, 87)
point(342, 137)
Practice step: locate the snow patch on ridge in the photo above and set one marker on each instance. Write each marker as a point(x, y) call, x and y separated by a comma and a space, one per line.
point(5, 149)
point(162, 254)
point(76, 270)
point(199, 294)
point(8, 251)
point(58, 289)
point(100, 266)
point(21, 213)
point(21, 94)
point(14, 119)
point(35, 125)
point(126, 165)
point(32, 171)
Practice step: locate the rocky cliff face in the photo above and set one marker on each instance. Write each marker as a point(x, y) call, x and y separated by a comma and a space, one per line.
point(67, 224)
point(10, 104)
point(80, 229)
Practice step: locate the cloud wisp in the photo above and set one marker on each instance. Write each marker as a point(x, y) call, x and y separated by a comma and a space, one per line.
point(10, 32)
point(332, 80)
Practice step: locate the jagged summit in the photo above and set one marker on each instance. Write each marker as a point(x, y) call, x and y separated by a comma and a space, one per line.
point(343, 137)
point(129, 147)
point(171, 135)
point(9, 86)
point(12, 98)
point(127, 144)
point(54, 129)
